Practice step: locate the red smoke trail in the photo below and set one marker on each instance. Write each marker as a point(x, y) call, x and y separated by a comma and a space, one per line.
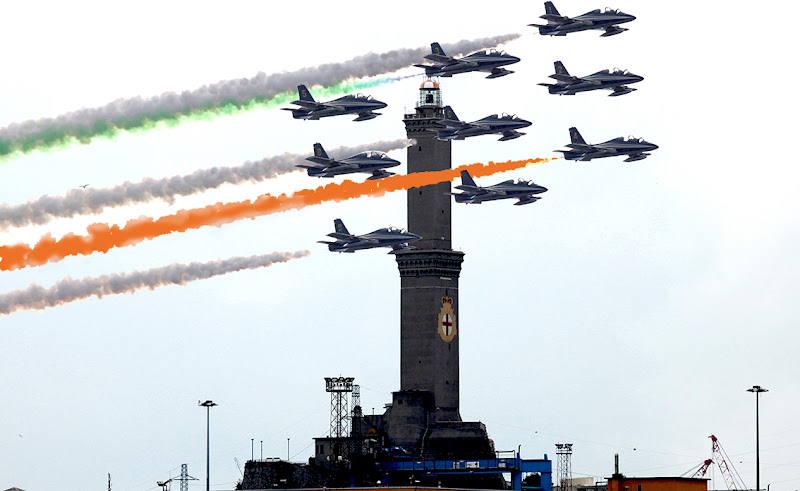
point(102, 237)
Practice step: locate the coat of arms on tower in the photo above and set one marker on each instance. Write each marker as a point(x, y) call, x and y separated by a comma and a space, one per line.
point(447, 320)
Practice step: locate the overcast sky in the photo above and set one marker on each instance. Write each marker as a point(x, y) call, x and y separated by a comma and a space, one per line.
point(626, 312)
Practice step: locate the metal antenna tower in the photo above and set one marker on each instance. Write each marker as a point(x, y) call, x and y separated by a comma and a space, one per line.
point(356, 398)
point(339, 387)
point(564, 452)
point(355, 420)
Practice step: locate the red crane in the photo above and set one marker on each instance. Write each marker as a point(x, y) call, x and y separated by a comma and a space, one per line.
point(699, 470)
point(732, 478)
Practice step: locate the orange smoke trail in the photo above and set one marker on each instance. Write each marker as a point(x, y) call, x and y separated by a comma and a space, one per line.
point(102, 237)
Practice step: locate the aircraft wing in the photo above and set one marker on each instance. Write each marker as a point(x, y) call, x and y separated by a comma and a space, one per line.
point(451, 123)
point(581, 146)
point(320, 160)
point(526, 200)
point(477, 189)
point(439, 58)
point(341, 167)
point(560, 19)
point(401, 248)
point(566, 78)
point(309, 104)
point(343, 237)
point(497, 72)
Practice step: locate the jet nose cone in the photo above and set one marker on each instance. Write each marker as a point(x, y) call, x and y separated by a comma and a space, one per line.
point(629, 17)
point(653, 146)
point(380, 104)
point(638, 78)
point(542, 189)
point(513, 59)
point(523, 123)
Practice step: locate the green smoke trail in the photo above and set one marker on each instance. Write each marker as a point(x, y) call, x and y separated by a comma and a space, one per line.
point(58, 137)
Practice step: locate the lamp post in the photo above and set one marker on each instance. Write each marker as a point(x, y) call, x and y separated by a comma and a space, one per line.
point(208, 405)
point(757, 389)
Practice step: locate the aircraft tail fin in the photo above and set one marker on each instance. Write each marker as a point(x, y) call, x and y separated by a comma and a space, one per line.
point(467, 179)
point(305, 95)
point(436, 49)
point(339, 226)
point(550, 9)
point(319, 151)
point(575, 136)
point(560, 69)
point(450, 114)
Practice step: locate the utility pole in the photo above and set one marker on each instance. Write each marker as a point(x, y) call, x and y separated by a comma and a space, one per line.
point(757, 389)
point(208, 405)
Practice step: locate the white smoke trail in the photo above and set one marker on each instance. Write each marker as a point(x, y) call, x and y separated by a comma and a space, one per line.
point(88, 201)
point(262, 85)
point(36, 297)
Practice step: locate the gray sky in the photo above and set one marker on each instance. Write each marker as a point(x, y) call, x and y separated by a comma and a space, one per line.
point(626, 312)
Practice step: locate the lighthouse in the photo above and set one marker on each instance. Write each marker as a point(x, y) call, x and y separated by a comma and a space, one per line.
point(424, 415)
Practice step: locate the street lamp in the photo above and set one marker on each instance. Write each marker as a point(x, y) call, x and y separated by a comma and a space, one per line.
point(208, 405)
point(757, 389)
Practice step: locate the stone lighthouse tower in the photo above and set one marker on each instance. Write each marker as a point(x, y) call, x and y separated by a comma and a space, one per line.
point(429, 274)
point(424, 415)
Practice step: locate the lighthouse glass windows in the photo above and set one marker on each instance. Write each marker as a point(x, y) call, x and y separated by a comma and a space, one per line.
point(430, 98)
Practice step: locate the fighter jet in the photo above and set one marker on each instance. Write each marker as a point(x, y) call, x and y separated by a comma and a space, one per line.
point(363, 105)
point(370, 162)
point(384, 237)
point(521, 190)
point(559, 25)
point(570, 85)
point(455, 129)
point(481, 61)
point(634, 148)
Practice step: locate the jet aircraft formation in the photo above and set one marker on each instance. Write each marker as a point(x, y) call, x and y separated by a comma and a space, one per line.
point(521, 190)
point(371, 162)
point(455, 129)
point(363, 105)
point(392, 237)
point(481, 61)
point(559, 25)
point(570, 85)
point(450, 127)
point(634, 148)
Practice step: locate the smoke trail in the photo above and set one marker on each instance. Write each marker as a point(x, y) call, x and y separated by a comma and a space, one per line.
point(87, 201)
point(36, 297)
point(221, 98)
point(102, 237)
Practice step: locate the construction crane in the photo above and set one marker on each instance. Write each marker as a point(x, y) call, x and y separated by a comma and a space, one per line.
point(732, 478)
point(699, 470)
